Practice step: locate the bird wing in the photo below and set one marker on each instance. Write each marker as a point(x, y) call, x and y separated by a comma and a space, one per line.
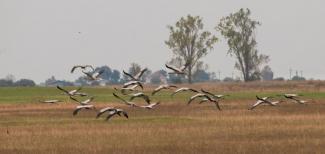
point(118, 97)
point(146, 98)
point(75, 99)
point(130, 88)
point(298, 100)
point(125, 114)
point(265, 100)
point(87, 101)
point(81, 94)
point(150, 106)
point(171, 86)
point(132, 97)
point(203, 100)
point(102, 111)
point(156, 90)
point(258, 98)
point(194, 97)
point(74, 67)
point(49, 101)
point(291, 95)
point(276, 102)
point(172, 68)
point(110, 115)
point(138, 76)
point(75, 112)
point(88, 74)
point(140, 84)
point(179, 90)
point(302, 101)
point(127, 84)
point(207, 92)
point(217, 104)
point(62, 89)
point(256, 104)
point(193, 90)
point(129, 75)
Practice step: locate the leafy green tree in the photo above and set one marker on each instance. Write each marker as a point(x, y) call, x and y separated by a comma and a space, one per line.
point(201, 76)
point(6, 83)
point(116, 75)
point(298, 78)
point(267, 73)
point(189, 42)
point(158, 77)
point(239, 30)
point(82, 81)
point(25, 83)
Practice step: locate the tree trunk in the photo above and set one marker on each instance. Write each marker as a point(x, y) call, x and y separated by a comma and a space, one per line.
point(189, 75)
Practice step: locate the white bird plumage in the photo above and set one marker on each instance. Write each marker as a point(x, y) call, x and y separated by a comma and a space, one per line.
point(80, 107)
point(161, 87)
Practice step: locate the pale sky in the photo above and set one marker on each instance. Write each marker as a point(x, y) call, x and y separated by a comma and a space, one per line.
point(40, 38)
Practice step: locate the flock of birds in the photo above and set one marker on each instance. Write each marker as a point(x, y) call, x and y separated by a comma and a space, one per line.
point(131, 89)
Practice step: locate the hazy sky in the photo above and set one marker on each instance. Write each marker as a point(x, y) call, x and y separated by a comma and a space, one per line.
point(40, 38)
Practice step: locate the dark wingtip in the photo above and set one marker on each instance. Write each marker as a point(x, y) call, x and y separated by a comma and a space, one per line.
point(257, 97)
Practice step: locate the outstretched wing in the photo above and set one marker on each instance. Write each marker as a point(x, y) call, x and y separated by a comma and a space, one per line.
point(156, 90)
point(171, 86)
point(62, 89)
point(88, 74)
point(125, 114)
point(146, 98)
point(177, 91)
point(102, 111)
point(206, 92)
point(191, 99)
point(118, 97)
point(75, 112)
point(172, 68)
point(74, 68)
point(75, 99)
point(110, 116)
point(256, 104)
point(193, 90)
point(138, 76)
point(217, 104)
point(129, 75)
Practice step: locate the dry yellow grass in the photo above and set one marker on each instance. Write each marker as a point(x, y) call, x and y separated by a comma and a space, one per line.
point(173, 127)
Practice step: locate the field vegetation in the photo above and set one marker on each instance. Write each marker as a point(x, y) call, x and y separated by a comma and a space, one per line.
point(27, 126)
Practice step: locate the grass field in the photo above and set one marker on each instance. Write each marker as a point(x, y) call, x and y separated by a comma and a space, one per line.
point(173, 127)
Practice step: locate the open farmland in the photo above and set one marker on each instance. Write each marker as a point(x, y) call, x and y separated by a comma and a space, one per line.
point(173, 127)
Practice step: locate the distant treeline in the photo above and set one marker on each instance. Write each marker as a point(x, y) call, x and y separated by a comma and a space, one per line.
point(19, 83)
point(114, 76)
